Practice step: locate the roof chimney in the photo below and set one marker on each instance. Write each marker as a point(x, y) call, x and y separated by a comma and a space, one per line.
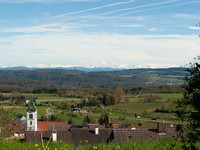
point(54, 136)
point(161, 127)
point(96, 131)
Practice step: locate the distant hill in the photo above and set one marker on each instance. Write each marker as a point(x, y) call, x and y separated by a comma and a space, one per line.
point(62, 78)
point(86, 69)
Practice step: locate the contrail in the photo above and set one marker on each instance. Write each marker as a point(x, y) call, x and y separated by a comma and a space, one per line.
point(172, 1)
point(95, 8)
point(159, 8)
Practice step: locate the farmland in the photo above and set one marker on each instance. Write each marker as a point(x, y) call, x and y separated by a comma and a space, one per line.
point(120, 113)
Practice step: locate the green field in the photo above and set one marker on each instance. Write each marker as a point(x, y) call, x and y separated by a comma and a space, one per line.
point(162, 144)
point(23, 111)
point(161, 116)
point(169, 96)
point(126, 109)
point(43, 97)
point(164, 96)
point(133, 107)
point(65, 118)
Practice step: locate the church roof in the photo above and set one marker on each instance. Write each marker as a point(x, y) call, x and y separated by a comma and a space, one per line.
point(32, 106)
point(45, 126)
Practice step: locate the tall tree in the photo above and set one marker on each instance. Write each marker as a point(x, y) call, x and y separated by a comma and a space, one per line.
point(105, 119)
point(189, 106)
point(1, 96)
point(6, 123)
point(119, 95)
point(86, 119)
point(69, 105)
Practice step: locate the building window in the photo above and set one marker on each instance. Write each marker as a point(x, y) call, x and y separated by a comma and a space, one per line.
point(30, 116)
point(30, 122)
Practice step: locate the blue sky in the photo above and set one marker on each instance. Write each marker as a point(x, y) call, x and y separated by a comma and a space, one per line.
point(102, 33)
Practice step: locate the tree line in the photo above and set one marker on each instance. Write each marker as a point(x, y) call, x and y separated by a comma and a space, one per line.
point(47, 79)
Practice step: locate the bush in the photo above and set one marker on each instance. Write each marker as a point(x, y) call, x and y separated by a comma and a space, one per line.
point(148, 98)
point(122, 118)
point(71, 121)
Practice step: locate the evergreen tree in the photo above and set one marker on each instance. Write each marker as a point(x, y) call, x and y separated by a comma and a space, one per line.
point(105, 119)
point(86, 119)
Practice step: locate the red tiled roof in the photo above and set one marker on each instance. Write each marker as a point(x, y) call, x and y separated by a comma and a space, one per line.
point(19, 128)
point(115, 125)
point(43, 126)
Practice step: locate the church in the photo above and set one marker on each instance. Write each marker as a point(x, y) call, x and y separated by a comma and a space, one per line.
point(33, 124)
point(39, 131)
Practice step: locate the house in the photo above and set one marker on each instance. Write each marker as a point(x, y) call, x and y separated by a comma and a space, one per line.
point(19, 129)
point(22, 120)
point(72, 136)
point(79, 110)
point(37, 131)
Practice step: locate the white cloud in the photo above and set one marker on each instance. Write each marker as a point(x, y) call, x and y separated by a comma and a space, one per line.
point(154, 29)
point(185, 16)
point(194, 28)
point(128, 25)
point(112, 50)
point(44, 28)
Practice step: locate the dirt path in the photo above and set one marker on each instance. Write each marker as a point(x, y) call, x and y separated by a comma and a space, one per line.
point(6, 107)
point(158, 107)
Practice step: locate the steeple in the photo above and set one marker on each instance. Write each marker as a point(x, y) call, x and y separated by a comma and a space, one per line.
point(32, 106)
point(32, 117)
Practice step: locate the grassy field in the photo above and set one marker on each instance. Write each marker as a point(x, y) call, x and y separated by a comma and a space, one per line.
point(66, 117)
point(164, 96)
point(169, 96)
point(161, 116)
point(41, 110)
point(133, 107)
point(126, 109)
point(45, 97)
point(162, 144)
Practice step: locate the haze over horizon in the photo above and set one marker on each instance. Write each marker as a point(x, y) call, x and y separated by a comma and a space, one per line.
point(99, 33)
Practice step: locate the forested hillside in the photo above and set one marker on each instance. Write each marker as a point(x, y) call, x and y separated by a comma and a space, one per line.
point(63, 79)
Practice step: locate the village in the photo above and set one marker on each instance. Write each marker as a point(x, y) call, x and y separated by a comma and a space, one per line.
point(36, 131)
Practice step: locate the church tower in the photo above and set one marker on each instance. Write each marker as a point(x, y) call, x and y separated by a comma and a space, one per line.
point(32, 117)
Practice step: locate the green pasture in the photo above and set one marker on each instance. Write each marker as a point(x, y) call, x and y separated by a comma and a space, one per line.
point(66, 117)
point(135, 106)
point(164, 96)
point(171, 107)
point(23, 111)
point(161, 144)
point(169, 96)
point(160, 116)
point(42, 97)
point(56, 99)
point(78, 119)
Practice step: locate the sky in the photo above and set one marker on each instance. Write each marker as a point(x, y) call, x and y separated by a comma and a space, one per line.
point(100, 33)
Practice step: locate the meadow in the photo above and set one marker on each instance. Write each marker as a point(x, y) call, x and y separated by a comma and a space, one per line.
point(162, 144)
point(119, 113)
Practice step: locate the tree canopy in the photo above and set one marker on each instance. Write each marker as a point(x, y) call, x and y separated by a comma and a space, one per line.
point(189, 106)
